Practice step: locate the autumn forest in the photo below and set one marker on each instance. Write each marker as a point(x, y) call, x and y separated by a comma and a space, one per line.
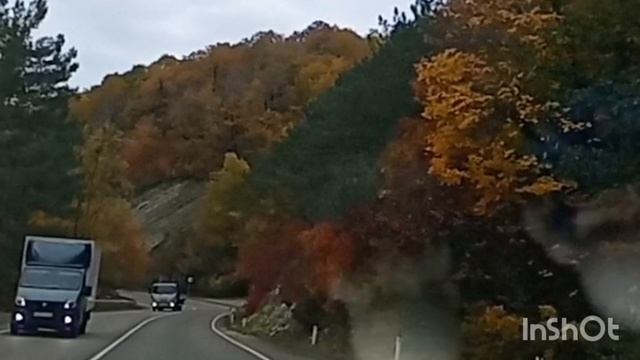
point(431, 166)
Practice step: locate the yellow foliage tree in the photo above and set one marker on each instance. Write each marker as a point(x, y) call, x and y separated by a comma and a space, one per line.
point(318, 74)
point(103, 213)
point(493, 333)
point(113, 225)
point(222, 215)
point(477, 104)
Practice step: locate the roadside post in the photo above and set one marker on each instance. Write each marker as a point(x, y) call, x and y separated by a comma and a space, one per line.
point(190, 280)
point(232, 316)
point(314, 335)
point(397, 349)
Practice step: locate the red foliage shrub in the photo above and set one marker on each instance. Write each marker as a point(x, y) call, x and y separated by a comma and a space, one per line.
point(272, 258)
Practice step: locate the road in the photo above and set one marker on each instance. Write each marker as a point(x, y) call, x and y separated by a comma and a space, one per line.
point(136, 335)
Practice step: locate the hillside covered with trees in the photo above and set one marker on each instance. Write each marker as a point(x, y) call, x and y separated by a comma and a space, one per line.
point(429, 173)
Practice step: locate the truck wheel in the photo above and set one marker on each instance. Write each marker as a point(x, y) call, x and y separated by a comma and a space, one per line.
point(13, 330)
point(83, 326)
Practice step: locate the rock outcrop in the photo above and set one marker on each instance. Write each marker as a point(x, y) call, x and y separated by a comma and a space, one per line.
point(168, 210)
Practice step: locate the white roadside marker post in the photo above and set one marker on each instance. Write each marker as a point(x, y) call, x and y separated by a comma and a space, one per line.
point(233, 316)
point(314, 335)
point(397, 348)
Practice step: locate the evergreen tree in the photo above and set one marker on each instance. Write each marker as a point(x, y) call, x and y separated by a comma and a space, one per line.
point(598, 75)
point(36, 139)
point(329, 163)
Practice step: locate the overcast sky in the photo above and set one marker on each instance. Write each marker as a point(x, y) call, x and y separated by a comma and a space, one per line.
point(113, 35)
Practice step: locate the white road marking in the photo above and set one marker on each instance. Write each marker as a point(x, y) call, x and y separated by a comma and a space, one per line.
point(127, 335)
point(119, 312)
point(4, 331)
point(233, 341)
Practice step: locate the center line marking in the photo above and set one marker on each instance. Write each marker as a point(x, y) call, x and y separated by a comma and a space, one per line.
point(127, 335)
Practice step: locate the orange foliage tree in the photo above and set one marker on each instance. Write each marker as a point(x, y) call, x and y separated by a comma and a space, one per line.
point(299, 260)
point(148, 154)
point(331, 255)
point(238, 98)
point(482, 101)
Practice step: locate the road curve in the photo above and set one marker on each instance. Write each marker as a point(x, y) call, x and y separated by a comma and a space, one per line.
point(185, 336)
point(138, 335)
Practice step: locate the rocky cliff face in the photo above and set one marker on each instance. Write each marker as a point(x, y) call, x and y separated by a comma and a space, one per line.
point(169, 210)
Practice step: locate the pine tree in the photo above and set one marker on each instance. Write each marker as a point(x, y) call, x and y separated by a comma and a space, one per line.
point(36, 140)
point(329, 163)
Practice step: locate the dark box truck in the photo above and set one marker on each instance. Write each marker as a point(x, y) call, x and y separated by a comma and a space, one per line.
point(57, 287)
point(167, 295)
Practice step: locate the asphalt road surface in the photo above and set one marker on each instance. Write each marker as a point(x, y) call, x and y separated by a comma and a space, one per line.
point(138, 335)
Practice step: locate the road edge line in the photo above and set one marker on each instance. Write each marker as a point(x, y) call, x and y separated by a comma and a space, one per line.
point(104, 352)
point(231, 340)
